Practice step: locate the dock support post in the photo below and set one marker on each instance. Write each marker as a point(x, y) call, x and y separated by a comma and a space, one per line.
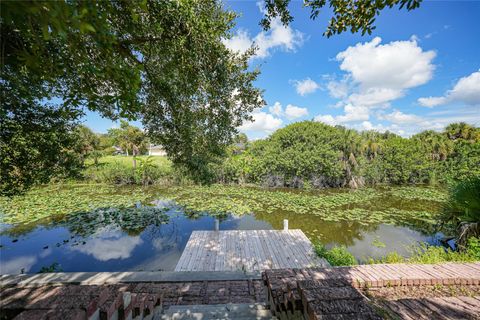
point(217, 224)
point(285, 224)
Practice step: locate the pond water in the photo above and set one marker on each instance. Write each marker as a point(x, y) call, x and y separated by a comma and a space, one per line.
point(153, 237)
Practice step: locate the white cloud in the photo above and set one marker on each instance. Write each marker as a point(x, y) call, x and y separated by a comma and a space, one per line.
point(367, 125)
point(375, 75)
point(278, 37)
point(262, 121)
point(294, 112)
point(466, 90)
point(374, 97)
point(110, 245)
point(407, 124)
point(240, 42)
point(432, 101)
point(15, 265)
point(306, 86)
point(400, 117)
point(291, 111)
point(327, 119)
point(397, 65)
point(352, 114)
point(338, 89)
point(276, 109)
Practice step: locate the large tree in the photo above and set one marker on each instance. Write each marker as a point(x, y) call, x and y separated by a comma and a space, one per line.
point(130, 138)
point(88, 143)
point(36, 144)
point(162, 62)
point(348, 15)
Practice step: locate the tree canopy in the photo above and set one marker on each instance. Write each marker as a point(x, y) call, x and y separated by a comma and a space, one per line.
point(131, 139)
point(319, 155)
point(161, 62)
point(36, 144)
point(352, 15)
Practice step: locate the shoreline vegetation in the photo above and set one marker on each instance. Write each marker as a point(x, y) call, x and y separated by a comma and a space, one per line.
point(334, 174)
point(311, 155)
point(419, 254)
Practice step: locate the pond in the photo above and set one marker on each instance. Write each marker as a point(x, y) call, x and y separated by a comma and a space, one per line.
point(103, 228)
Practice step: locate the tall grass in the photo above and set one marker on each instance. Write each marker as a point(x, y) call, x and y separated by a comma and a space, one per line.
point(119, 170)
point(420, 254)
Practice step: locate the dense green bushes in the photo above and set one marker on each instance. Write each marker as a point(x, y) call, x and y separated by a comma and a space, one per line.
point(337, 256)
point(313, 154)
point(420, 254)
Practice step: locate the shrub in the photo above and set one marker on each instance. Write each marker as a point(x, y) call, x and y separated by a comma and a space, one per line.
point(473, 248)
point(391, 257)
point(119, 170)
point(427, 254)
point(337, 256)
point(433, 254)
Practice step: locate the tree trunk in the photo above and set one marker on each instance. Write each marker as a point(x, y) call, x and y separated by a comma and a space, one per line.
point(134, 153)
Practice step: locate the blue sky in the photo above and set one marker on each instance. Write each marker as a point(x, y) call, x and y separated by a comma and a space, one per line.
point(418, 70)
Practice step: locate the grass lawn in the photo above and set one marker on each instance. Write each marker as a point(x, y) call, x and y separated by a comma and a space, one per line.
point(159, 161)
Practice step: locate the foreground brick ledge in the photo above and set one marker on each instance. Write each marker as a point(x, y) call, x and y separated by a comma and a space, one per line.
point(99, 278)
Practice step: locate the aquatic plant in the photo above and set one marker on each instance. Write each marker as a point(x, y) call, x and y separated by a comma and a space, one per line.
point(54, 267)
point(132, 220)
point(336, 256)
point(377, 243)
point(365, 206)
point(58, 200)
point(420, 193)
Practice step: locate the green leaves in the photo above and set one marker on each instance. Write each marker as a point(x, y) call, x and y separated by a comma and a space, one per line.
point(36, 144)
point(60, 200)
point(365, 206)
point(337, 256)
point(132, 220)
point(86, 27)
point(355, 16)
point(161, 62)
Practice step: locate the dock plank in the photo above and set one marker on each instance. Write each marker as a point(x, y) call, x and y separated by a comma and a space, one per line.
point(247, 250)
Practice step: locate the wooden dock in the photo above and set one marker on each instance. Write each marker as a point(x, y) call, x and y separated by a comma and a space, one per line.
point(248, 250)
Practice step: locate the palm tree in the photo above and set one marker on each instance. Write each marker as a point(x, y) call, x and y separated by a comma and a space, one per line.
point(437, 145)
point(371, 144)
point(350, 146)
point(461, 130)
point(463, 210)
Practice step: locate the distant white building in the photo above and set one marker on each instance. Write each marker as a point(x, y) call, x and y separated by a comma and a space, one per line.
point(154, 150)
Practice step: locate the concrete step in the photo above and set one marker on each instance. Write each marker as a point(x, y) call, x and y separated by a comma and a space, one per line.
point(217, 312)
